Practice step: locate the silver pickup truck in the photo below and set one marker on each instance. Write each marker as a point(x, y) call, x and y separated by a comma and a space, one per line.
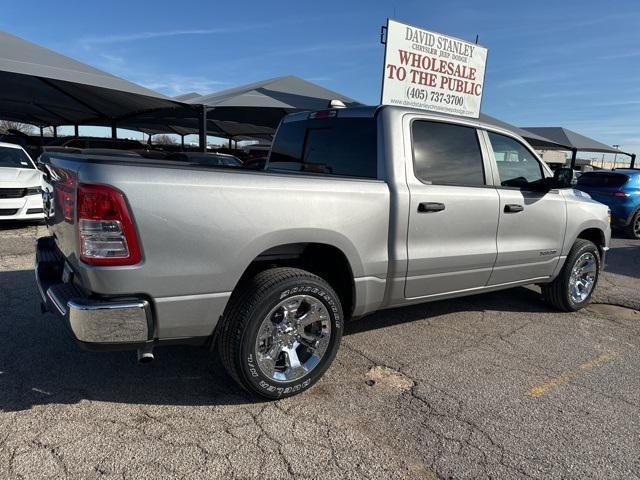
point(357, 210)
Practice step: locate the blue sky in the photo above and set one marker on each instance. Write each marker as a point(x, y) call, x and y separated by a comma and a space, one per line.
point(551, 63)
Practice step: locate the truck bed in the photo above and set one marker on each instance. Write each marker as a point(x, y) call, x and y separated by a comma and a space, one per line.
point(200, 227)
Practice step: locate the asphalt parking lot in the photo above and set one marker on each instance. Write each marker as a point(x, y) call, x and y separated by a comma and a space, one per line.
point(492, 386)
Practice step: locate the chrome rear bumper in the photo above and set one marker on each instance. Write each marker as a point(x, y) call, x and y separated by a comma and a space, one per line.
point(96, 323)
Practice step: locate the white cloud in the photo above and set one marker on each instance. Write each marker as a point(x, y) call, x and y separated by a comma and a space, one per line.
point(171, 84)
point(175, 84)
point(130, 37)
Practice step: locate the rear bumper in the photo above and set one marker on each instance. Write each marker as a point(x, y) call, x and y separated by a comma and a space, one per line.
point(96, 323)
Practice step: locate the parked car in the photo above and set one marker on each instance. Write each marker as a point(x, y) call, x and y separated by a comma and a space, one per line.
point(31, 143)
point(20, 185)
point(256, 163)
point(620, 191)
point(97, 142)
point(359, 209)
point(256, 150)
point(202, 158)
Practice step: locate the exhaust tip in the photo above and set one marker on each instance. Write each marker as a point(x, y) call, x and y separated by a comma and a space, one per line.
point(145, 356)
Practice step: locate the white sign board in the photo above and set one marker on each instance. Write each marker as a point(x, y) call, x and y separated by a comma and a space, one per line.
point(427, 70)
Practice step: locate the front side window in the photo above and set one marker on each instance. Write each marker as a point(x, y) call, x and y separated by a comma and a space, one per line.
point(446, 154)
point(517, 166)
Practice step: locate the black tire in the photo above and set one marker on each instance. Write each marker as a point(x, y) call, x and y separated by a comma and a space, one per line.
point(557, 293)
point(249, 305)
point(633, 229)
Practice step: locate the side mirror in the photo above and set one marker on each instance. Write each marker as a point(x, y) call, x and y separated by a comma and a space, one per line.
point(562, 177)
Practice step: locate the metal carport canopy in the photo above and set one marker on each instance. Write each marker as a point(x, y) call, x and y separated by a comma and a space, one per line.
point(252, 110)
point(264, 103)
point(573, 141)
point(534, 139)
point(44, 88)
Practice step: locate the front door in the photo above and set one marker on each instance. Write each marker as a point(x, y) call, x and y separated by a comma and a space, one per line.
point(532, 222)
point(453, 217)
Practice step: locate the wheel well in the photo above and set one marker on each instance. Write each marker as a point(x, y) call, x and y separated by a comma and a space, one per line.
point(594, 235)
point(325, 261)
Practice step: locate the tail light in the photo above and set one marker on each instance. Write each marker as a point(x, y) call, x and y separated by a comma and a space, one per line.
point(620, 194)
point(64, 185)
point(106, 232)
point(323, 114)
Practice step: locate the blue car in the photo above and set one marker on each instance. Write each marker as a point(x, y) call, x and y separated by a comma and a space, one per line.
point(620, 190)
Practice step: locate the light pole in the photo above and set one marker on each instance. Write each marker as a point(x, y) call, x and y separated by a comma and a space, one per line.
point(615, 157)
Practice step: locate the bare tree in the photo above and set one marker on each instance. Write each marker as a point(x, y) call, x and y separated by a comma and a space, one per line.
point(164, 140)
point(6, 125)
point(47, 132)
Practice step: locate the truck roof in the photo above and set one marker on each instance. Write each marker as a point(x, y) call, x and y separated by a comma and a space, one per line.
point(368, 111)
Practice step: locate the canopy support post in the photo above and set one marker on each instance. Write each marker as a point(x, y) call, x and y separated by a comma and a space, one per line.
point(76, 130)
point(230, 140)
point(574, 154)
point(182, 142)
point(202, 129)
point(55, 132)
point(41, 132)
point(633, 160)
point(114, 130)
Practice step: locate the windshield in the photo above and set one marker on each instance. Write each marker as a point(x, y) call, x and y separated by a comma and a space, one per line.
point(611, 180)
point(14, 158)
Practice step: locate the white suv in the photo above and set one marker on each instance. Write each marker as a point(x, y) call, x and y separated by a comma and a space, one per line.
point(20, 185)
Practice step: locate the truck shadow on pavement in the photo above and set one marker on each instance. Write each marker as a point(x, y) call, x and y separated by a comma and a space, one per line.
point(40, 363)
point(19, 225)
point(624, 260)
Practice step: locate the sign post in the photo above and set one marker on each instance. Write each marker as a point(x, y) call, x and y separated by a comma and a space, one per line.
point(431, 71)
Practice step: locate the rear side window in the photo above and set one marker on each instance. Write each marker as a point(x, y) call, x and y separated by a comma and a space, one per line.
point(610, 180)
point(332, 146)
point(445, 154)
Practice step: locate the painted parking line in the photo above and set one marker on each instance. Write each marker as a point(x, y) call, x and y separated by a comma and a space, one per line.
point(566, 377)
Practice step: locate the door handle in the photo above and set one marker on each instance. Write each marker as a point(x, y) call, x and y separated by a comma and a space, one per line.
point(426, 207)
point(513, 208)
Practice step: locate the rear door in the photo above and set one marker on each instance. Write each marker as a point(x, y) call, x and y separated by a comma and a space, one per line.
point(453, 215)
point(532, 223)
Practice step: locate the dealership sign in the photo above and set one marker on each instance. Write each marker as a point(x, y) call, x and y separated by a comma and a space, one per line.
point(427, 70)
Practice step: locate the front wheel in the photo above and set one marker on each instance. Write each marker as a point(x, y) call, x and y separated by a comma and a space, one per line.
point(573, 287)
point(280, 332)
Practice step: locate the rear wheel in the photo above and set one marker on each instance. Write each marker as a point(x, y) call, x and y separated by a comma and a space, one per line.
point(281, 332)
point(573, 287)
point(633, 229)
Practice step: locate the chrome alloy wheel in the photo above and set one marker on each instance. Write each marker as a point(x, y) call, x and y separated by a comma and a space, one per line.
point(636, 226)
point(293, 338)
point(583, 277)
